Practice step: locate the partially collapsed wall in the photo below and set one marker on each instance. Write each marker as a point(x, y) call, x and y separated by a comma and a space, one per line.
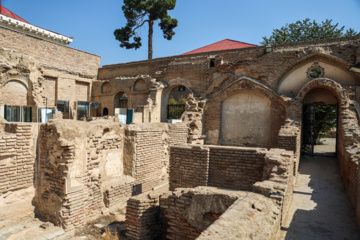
point(202, 213)
point(261, 179)
point(88, 168)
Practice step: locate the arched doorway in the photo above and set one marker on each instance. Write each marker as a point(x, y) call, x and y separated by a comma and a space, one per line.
point(176, 102)
point(320, 120)
point(105, 112)
point(121, 100)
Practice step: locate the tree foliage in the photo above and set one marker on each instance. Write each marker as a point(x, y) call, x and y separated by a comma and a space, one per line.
point(307, 30)
point(325, 120)
point(139, 12)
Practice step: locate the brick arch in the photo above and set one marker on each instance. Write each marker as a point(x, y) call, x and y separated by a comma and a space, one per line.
point(324, 83)
point(14, 92)
point(106, 87)
point(315, 57)
point(172, 84)
point(213, 109)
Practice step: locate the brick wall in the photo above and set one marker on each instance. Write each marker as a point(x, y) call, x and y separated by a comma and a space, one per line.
point(178, 133)
point(219, 166)
point(291, 141)
point(82, 91)
point(235, 168)
point(189, 166)
point(50, 54)
point(142, 217)
point(17, 156)
point(73, 186)
point(85, 169)
point(14, 93)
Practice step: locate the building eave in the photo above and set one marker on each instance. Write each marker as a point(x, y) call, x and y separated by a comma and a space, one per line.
point(33, 30)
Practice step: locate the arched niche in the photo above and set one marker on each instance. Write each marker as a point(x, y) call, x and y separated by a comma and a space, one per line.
point(121, 100)
point(106, 88)
point(14, 93)
point(140, 85)
point(178, 89)
point(246, 119)
point(291, 84)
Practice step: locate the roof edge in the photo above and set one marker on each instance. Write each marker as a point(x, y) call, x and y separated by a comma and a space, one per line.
point(34, 30)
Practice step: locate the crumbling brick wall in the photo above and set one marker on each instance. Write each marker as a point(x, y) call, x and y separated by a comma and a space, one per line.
point(87, 168)
point(202, 212)
point(73, 170)
point(142, 217)
point(17, 156)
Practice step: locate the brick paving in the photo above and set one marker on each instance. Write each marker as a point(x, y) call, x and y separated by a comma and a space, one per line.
point(321, 208)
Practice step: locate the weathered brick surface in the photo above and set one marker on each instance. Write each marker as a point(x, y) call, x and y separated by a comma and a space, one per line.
point(17, 156)
point(189, 166)
point(142, 217)
point(36, 70)
point(219, 166)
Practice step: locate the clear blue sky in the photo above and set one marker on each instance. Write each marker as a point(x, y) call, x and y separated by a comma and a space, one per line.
point(201, 22)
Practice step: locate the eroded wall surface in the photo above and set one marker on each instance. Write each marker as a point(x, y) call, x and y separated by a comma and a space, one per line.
point(17, 155)
point(88, 168)
point(35, 72)
point(202, 213)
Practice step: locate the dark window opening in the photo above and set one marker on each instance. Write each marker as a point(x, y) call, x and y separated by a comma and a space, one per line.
point(105, 112)
point(181, 89)
point(64, 107)
point(212, 63)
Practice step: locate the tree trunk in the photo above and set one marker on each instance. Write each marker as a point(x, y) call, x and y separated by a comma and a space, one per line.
point(151, 30)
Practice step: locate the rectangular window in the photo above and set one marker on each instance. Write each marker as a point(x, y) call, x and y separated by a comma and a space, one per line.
point(64, 107)
point(18, 113)
point(83, 110)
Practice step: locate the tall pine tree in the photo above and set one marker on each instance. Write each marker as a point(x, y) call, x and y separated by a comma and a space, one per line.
point(139, 12)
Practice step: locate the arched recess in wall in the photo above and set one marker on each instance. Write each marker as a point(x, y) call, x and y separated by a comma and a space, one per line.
point(314, 67)
point(140, 85)
point(106, 88)
point(14, 93)
point(320, 91)
point(174, 94)
point(120, 100)
point(236, 106)
point(245, 119)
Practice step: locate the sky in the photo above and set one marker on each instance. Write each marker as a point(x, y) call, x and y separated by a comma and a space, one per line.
point(200, 22)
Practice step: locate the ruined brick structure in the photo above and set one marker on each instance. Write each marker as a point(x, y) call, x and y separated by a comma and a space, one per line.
point(241, 130)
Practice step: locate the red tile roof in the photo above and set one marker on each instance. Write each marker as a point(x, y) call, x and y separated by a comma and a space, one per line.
point(8, 13)
point(222, 45)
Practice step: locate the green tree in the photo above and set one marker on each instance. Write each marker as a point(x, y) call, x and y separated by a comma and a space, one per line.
point(325, 120)
point(307, 30)
point(139, 12)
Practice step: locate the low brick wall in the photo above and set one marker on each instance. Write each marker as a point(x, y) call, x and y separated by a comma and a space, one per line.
point(17, 156)
point(189, 166)
point(219, 166)
point(290, 139)
point(142, 217)
point(202, 213)
point(235, 168)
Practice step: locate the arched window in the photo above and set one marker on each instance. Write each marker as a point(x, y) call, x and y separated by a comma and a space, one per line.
point(176, 102)
point(140, 85)
point(121, 100)
point(106, 88)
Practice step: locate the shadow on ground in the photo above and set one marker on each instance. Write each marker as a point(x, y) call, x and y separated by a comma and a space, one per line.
point(321, 208)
